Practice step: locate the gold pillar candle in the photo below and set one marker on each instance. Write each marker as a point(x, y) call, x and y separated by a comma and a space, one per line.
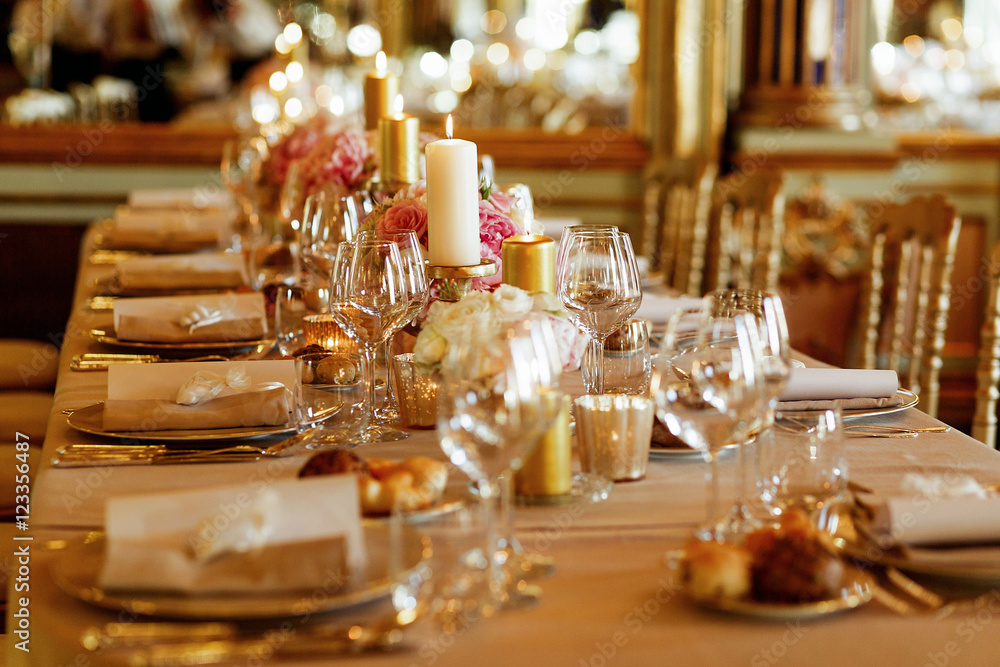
point(547, 471)
point(399, 148)
point(324, 331)
point(529, 262)
point(381, 89)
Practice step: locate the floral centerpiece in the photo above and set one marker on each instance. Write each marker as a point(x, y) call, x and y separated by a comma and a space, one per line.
point(407, 212)
point(492, 310)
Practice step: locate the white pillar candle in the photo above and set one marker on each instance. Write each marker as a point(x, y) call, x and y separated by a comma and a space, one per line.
point(452, 202)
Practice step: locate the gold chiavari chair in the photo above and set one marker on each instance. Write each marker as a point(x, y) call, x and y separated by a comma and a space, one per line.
point(984, 421)
point(748, 225)
point(904, 306)
point(675, 223)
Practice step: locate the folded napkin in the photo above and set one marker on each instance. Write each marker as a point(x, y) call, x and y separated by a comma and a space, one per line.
point(200, 198)
point(657, 308)
point(922, 520)
point(167, 230)
point(208, 318)
point(287, 535)
point(849, 388)
point(199, 271)
point(200, 395)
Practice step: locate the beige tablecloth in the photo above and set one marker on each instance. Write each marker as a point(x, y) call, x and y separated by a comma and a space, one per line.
point(613, 599)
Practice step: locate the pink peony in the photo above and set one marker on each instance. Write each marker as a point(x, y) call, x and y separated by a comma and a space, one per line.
point(502, 201)
point(494, 227)
point(406, 215)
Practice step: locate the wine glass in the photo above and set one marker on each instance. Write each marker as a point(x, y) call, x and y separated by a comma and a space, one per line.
point(242, 160)
point(418, 288)
point(498, 381)
point(767, 310)
point(329, 217)
point(369, 304)
point(708, 388)
point(574, 230)
point(599, 287)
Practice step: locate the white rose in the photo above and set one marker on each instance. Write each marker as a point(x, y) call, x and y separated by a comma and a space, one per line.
point(474, 309)
point(511, 302)
point(550, 303)
point(430, 347)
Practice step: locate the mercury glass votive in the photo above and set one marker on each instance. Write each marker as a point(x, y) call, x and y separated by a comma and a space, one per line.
point(324, 331)
point(416, 392)
point(613, 433)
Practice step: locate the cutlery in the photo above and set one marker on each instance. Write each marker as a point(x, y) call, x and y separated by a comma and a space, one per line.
point(899, 429)
point(89, 455)
point(99, 362)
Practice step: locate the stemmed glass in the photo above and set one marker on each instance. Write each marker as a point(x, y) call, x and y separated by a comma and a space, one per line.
point(495, 405)
point(768, 312)
point(369, 298)
point(599, 286)
point(575, 230)
point(240, 170)
point(419, 290)
point(329, 217)
point(708, 388)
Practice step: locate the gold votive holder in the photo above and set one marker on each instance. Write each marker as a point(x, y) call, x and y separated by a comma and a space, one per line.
point(323, 330)
point(548, 469)
point(613, 432)
point(416, 390)
point(454, 282)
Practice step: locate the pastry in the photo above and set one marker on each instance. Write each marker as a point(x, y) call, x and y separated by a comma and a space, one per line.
point(715, 569)
point(413, 484)
point(335, 369)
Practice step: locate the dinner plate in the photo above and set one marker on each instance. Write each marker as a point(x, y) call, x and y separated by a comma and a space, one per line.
point(77, 572)
point(856, 590)
point(91, 420)
point(108, 338)
point(110, 286)
point(682, 453)
point(909, 400)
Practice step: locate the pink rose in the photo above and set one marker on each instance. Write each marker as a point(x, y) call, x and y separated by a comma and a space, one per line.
point(407, 215)
point(502, 201)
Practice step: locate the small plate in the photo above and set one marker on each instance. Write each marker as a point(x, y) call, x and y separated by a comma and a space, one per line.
point(909, 400)
point(856, 590)
point(232, 346)
point(77, 572)
point(91, 420)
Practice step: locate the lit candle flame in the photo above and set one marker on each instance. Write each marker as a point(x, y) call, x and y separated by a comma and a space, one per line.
point(397, 106)
point(380, 63)
point(449, 127)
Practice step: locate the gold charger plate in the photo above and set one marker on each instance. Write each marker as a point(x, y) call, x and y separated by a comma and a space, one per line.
point(108, 338)
point(77, 572)
point(856, 590)
point(111, 287)
point(91, 420)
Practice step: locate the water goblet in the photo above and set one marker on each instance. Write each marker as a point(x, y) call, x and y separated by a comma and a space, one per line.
point(708, 388)
point(491, 412)
point(329, 217)
point(599, 286)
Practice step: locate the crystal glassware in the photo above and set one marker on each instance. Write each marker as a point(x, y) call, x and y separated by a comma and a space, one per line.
point(491, 412)
point(329, 217)
point(369, 299)
point(598, 285)
point(708, 387)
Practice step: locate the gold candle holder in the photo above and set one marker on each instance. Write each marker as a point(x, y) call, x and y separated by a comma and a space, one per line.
point(324, 331)
point(416, 392)
point(399, 149)
point(454, 282)
point(529, 262)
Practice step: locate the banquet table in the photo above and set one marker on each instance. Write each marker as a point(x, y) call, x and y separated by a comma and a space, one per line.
point(614, 599)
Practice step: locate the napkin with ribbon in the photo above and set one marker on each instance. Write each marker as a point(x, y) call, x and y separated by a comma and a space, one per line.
point(195, 271)
point(850, 388)
point(286, 535)
point(198, 198)
point(194, 319)
point(200, 395)
point(167, 230)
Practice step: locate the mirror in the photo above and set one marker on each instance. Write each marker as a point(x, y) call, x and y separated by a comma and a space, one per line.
point(559, 65)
